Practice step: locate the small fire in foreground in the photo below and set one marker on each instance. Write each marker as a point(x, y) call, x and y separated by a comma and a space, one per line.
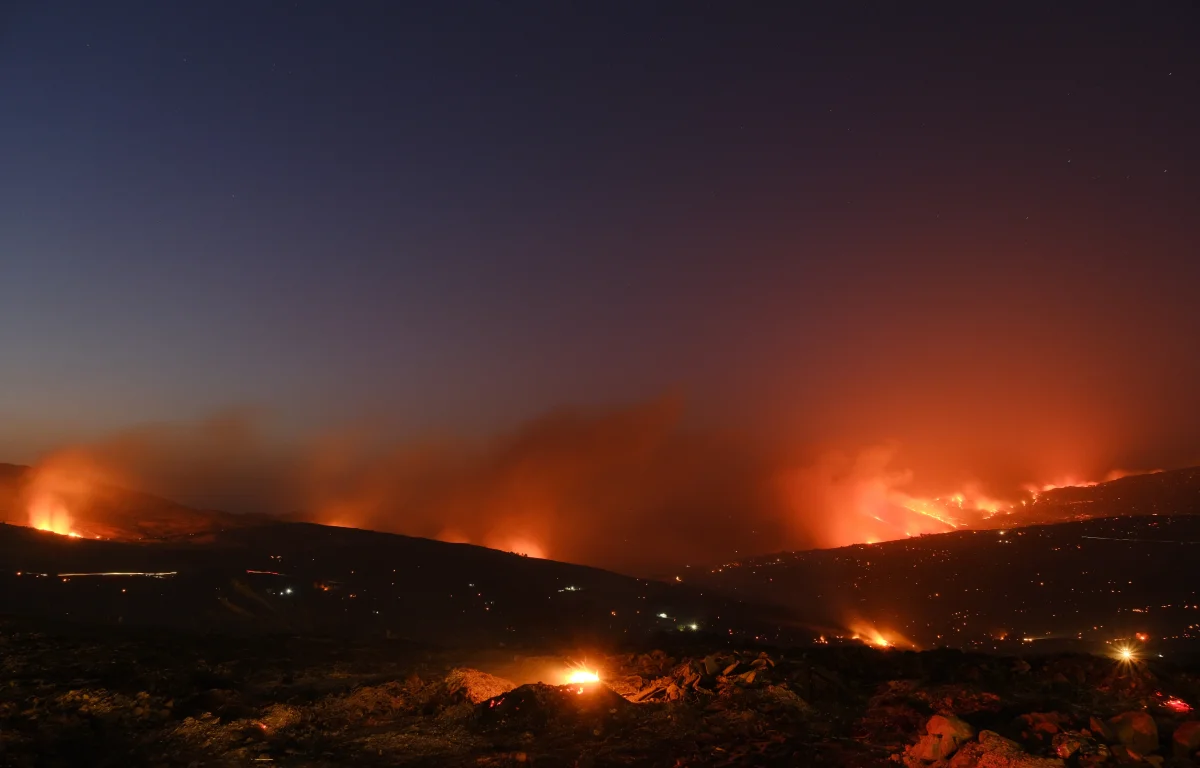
point(580, 675)
point(1126, 654)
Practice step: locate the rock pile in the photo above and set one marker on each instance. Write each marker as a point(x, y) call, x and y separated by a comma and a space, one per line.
point(1130, 738)
point(475, 686)
point(994, 751)
point(538, 706)
point(716, 674)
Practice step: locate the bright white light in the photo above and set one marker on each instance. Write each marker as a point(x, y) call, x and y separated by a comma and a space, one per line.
point(693, 627)
point(287, 591)
point(662, 615)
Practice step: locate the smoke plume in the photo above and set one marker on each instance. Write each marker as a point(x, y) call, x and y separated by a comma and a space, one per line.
point(634, 488)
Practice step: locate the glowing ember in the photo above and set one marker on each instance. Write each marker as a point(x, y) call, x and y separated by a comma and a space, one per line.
point(1177, 705)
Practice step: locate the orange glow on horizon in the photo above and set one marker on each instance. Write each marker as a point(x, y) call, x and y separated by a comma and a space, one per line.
point(525, 548)
point(451, 536)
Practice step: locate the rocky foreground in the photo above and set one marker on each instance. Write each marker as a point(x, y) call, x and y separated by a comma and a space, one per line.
point(72, 696)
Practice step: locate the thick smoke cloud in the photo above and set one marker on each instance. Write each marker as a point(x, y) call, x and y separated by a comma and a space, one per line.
point(633, 488)
point(623, 487)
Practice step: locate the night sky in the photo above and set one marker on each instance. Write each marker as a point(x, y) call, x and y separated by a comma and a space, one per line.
point(971, 234)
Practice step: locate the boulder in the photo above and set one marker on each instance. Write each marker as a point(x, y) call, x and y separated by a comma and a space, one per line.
point(537, 706)
point(944, 734)
point(1135, 731)
point(1071, 743)
point(1041, 725)
point(928, 749)
point(1186, 740)
point(950, 728)
point(1125, 756)
point(994, 751)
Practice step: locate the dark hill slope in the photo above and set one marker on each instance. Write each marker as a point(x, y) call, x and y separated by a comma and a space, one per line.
point(301, 577)
point(1094, 580)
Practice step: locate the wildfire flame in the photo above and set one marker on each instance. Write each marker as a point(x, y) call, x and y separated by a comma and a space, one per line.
point(965, 508)
point(1074, 482)
point(47, 513)
point(866, 632)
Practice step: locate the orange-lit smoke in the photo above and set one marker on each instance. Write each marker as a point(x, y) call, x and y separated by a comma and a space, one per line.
point(631, 488)
point(95, 488)
point(843, 499)
point(60, 491)
point(623, 487)
point(49, 514)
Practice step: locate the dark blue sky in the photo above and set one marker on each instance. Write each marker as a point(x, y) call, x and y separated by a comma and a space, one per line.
point(974, 229)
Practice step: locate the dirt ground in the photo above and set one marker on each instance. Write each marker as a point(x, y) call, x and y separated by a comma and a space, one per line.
point(76, 696)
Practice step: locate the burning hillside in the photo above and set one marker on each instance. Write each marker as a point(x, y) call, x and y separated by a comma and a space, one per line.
point(70, 500)
point(606, 487)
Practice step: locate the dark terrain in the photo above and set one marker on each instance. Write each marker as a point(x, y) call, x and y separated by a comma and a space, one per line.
point(1080, 585)
point(305, 578)
point(296, 644)
point(118, 697)
point(1176, 492)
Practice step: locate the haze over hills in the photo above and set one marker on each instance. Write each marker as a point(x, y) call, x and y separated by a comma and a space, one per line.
point(1122, 563)
point(100, 510)
point(93, 507)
